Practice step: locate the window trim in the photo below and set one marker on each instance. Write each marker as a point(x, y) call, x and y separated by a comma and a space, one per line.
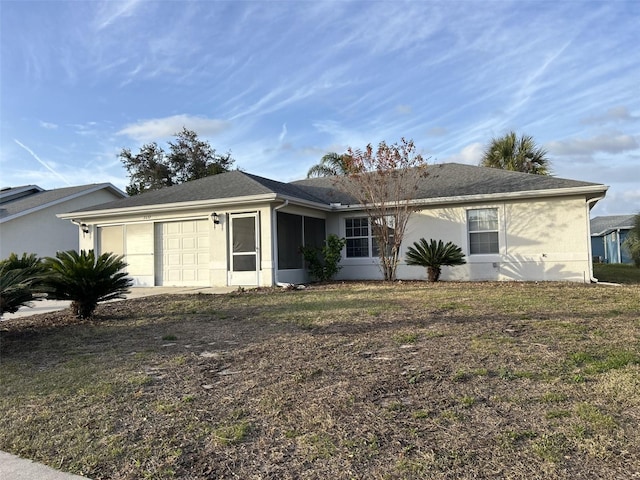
point(368, 237)
point(497, 231)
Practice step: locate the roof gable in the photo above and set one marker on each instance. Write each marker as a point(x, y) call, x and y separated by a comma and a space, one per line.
point(39, 199)
point(605, 224)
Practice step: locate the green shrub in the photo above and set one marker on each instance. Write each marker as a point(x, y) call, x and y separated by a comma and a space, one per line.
point(632, 243)
point(433, 255)
point(322, 262)
point(19, 277)
point(86, 279)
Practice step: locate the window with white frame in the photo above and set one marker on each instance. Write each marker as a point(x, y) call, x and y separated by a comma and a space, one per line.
point(482, 225)
point(358, 237)
point(361, 239)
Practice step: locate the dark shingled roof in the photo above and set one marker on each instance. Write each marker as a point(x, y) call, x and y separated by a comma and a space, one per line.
point(43, 198)
point(603, 225)
point(442, 180)
point(453, 180)
point(225, 185)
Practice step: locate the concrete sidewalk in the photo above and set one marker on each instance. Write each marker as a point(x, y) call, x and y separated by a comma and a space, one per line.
point(16, 468)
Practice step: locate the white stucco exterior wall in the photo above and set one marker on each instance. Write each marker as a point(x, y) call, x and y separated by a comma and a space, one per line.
point(42, 233)
point(540, 240)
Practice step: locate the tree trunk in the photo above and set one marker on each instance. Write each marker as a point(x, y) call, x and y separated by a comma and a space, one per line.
point(433, 274)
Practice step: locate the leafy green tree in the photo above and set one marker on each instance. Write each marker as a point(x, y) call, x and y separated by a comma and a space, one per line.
point(148, 169)
point(632, 242)
point(85, 279)
point(434, 255)
point(189, 158)
point(331, 165)
point(322, 262)
point(517, 154)
point(384, 182)
point(19, 279)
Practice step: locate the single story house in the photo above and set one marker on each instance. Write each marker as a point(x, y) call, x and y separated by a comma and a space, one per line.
point(28, 222)
point(608, 233)
point(241, 229)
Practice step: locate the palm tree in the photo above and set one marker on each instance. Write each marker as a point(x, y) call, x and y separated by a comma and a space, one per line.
point(517, 154)
point(433, 255)
point(330, 165)
point(86, 279)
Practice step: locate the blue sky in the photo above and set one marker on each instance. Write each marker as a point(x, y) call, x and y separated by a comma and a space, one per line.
point(281, 83)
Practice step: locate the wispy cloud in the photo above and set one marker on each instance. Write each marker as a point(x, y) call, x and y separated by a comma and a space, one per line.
point(41, 162)
point(110, 11)
point(283, 133)
point(617, 114)
point(48, 125)
point(470, 155)
point(613, 143)
point(159, 128)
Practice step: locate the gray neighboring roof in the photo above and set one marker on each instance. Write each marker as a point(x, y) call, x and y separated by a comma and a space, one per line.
point(44, 198)
point(8, 194)
point(605, 224)
point(441, 181)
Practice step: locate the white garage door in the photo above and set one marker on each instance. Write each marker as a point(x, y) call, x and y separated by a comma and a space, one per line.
point(182, 253)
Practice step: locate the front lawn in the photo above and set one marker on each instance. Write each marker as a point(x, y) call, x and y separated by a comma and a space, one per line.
point(355, 380)
point(616, 273)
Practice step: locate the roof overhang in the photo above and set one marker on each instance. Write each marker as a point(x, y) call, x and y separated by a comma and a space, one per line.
point(97, 187)
point(170, 207)
point(589, 192)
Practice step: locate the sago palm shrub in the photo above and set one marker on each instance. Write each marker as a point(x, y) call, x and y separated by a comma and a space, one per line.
point(86, 279)
point(433, 256)
point(19, 279)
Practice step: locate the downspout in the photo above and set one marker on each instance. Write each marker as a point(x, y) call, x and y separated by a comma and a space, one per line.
point(619, 246)
point(592, 279)
point(274, 236)
point(84, 228)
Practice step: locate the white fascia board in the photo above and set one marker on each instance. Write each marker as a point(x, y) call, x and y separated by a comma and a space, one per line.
point(169, 207)
point(493, 197)
point(306, 203)
point(96, 188)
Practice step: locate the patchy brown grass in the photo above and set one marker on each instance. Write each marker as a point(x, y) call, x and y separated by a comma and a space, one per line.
point(366, 381)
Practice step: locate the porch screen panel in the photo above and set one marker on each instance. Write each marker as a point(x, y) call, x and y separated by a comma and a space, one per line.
point(244, 235)
point(314, 232)
point(289, 241)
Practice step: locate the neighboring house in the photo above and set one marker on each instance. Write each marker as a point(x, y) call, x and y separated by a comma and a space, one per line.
point(608, 233)
point(28, 222)
point(240, 229)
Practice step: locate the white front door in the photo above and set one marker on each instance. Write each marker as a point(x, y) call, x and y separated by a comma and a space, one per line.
point(244, 252)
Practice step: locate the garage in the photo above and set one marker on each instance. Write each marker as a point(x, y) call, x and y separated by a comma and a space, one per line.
point(182, 253)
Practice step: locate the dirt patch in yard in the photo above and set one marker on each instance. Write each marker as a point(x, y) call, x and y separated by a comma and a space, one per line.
point(356, 380)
